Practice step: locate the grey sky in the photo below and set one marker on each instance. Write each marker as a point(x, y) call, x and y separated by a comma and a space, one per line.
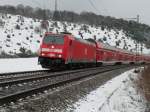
point(116, 8)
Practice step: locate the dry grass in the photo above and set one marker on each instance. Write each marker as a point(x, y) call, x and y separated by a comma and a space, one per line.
point(144, 82)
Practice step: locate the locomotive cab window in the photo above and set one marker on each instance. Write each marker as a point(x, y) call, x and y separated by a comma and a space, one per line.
point(51, 39)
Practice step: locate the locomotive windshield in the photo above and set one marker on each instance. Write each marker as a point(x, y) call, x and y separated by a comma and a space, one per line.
point(53, 39)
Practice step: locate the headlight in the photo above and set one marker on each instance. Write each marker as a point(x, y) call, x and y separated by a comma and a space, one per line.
point(43, 54)
point(59, 55)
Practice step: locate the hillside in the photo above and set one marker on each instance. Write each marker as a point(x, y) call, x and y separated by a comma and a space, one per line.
point(21, 35)
point(137, 31)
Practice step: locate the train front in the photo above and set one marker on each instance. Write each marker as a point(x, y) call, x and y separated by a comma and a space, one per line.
point(51, 51)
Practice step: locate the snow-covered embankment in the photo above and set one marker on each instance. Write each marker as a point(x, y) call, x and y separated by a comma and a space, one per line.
point(117, 95)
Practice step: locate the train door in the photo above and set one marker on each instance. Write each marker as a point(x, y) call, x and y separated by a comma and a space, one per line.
point(99, 54)
point(70, 51)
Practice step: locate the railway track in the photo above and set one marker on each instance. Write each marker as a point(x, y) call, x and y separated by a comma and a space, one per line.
point(21, 74)
point(14, 88)
point(7, 77)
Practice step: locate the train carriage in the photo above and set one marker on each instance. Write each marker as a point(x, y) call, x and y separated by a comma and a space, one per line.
point(106, 54)
point(111, 55)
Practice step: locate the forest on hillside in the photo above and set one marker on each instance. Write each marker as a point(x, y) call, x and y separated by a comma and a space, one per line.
point(137, 31)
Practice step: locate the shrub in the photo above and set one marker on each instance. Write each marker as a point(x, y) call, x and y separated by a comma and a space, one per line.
point(26, 53)
point(104, 38)
point(17, 27)
point(8, 36)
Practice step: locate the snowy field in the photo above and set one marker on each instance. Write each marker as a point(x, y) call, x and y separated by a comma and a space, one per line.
point(117, 95)
point(19, 64)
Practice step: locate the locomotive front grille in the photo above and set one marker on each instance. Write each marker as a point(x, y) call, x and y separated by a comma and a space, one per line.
point(50, 61)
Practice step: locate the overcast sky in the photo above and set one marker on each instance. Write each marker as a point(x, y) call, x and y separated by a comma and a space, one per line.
point(117, 8)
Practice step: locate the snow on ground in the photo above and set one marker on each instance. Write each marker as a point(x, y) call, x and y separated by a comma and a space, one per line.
point(19, 64)
point(117, 95)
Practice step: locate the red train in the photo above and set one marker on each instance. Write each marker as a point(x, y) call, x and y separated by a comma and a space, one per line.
point(64, 49)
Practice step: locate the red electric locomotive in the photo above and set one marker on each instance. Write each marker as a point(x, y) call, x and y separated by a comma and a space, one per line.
point(64, 49)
